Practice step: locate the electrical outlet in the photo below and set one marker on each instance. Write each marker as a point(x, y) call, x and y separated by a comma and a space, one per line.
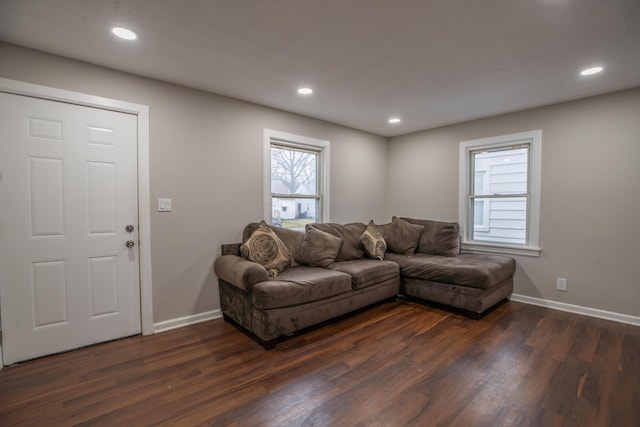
point(561, 284)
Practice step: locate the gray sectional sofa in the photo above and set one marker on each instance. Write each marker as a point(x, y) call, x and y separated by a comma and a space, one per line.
point(279, 281)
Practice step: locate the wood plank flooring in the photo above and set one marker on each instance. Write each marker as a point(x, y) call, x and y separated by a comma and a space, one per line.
point(398, 364)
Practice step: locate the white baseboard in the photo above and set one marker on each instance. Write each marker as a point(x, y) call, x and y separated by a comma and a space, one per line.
point(167, 325)
point(577, 309)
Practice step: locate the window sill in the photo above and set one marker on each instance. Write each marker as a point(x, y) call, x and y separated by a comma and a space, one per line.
point(474, 247)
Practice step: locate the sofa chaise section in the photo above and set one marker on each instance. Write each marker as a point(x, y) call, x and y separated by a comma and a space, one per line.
point(438, 272)
point(470, 282)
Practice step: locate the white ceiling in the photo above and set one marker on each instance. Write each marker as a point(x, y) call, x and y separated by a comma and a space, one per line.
point(430, 62)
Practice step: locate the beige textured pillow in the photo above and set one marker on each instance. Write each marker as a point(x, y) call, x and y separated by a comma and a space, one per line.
point(318, 248)
point(265, 248)
point(372, 242)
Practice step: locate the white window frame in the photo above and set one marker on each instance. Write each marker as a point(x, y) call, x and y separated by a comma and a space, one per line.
point(303, 143)
point(531, 247)
point(485, 206)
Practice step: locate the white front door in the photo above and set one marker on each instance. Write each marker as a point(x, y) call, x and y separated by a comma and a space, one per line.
point(68, 191)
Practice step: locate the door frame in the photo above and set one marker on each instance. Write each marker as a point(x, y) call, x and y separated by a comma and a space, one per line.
point(144, 195)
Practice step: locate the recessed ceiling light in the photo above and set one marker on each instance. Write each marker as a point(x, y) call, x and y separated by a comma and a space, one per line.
point(124, 33)
point(394, 120)
point(590, 71)
point(305, 91)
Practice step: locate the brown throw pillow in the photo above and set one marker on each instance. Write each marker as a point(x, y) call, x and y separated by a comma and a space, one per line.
point(401, 236)
point(266, 248)
point(372, 242)
point(350, 235)
point(318, 249)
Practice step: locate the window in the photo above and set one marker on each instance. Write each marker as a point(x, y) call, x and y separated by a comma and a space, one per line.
point(499, 208)
point(296, 179)
point(480, 208)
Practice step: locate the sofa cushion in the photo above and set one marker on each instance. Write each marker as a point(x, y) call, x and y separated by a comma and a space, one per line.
point(473, 270)
point(372, 242)
point(318, 249)
point(265, 248)
point(292, 238)
point(438, 238)
point(350, 235)
point(401, 236)
point(299, 285)
point(367, 272)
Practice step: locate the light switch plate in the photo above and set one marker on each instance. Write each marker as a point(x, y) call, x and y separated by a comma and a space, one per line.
point(164, 205)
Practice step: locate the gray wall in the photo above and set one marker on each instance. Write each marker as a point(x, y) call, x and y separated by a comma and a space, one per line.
point(206, 155)
point(590, 205)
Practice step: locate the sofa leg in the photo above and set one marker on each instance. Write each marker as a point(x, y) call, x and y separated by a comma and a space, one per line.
point(266, 344)
point(475, 316)
point(269, 344)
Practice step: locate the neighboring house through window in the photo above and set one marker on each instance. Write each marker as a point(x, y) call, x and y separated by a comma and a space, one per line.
point(480, 208)
point(296, 179)
point(499, 209)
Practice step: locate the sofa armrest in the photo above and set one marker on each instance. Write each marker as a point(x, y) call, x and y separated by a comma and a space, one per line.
point(239, 271)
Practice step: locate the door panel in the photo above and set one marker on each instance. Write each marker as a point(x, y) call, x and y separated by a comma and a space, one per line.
point(101, 180)
point(68, 188)
point(49, 293)
point(103, 273)
point(45, 196)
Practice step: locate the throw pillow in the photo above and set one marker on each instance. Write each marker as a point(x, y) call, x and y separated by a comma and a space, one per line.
point(372, 242)
point(289, 236)
point(265, 248)
point(318, 248)
point(350, 235)
point(401, 236)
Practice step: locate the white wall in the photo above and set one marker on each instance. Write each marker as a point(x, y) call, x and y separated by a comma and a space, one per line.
point(590, 205)
point(206, 155)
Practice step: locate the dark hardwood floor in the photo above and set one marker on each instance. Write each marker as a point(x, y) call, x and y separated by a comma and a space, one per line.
point(397, 364)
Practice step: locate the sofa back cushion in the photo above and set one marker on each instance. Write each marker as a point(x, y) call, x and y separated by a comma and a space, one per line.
point(438, 238)
point(292, 238)
point(350, 235)
point(401, 236)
